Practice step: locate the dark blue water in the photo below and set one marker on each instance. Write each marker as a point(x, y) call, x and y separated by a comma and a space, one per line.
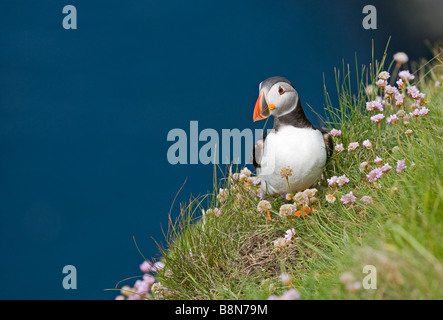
point(84, 115)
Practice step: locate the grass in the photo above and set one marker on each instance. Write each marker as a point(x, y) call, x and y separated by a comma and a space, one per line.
point(232, 256)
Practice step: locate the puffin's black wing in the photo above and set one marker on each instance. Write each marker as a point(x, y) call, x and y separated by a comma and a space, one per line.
point(328, 141)
point(329, 144)
point(257, 151)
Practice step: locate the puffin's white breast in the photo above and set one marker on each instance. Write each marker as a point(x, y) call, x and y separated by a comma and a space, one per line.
point(302, 149)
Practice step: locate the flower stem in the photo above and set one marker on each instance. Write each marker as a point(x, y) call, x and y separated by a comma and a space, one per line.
point(379, 136)
point(289, 187)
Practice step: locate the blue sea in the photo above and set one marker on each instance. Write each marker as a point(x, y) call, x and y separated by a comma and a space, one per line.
point(85, 114)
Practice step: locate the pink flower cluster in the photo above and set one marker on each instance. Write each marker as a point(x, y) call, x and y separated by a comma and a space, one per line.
point(378, 160)
point(386, 168)
point(399, 99)
point(400, 84)
point(378, 117)
point(353, 145)
point(390, 91)
point(374, 105)
point(142, 287)
point(290, 233)
point(392, 119)
point(335, 133)
point(366, 200)
point(423, 111)
point(340, 181)
point(367, 144)
point(374, 174)
point(401, 165)
point(290, 294)
point(348, 198)
point(414, 93)
point(405, 75)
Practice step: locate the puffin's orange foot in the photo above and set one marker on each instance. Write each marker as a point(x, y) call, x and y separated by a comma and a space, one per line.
point(298, 213)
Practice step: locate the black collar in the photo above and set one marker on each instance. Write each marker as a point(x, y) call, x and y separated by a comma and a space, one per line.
point(295, 118)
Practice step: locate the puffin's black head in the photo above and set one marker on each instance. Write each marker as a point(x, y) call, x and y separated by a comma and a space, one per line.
point(277, 97)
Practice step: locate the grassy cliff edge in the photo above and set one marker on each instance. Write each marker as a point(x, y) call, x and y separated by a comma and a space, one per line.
point(384, 219)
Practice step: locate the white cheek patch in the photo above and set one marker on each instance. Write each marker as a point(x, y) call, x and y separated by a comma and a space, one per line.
point(284, 103)
point(273, 97)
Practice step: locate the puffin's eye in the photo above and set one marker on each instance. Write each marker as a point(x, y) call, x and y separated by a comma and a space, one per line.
point(281, 90)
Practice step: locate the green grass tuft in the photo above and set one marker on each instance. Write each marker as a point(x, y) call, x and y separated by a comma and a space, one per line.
point(232, 256)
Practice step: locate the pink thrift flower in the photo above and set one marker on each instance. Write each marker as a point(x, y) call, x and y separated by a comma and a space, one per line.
point(381, 83)
point(374, 175)
point(374, 105)
point(348, 198)
point(399, 99)
point(158, 266)
point(413, 92)
point(378, 117)
point(335, 133)
point(401, 165)
point(290, 233)
point(401, 57)
point(291, 294)
point(400, 84)
point(330, 198)
point(366, 200)
point(386, 168)
point(384, 75)
point(141, 287)
point(242, 177)
point(148, 279)
point(146, 266)
point(437, 84)
point(423, 111)
point(339, 147)
point(367, 144)
point(342, 180)
point(406, 75)
point(390, 90)
point(415, 105)
point(378, 160)
point(286, 279)
point(332, 181)
point(415, 113)
point(392, 119)
point(353, 145)
point(380, 99)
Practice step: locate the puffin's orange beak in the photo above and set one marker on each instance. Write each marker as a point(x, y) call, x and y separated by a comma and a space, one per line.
point(261, 110)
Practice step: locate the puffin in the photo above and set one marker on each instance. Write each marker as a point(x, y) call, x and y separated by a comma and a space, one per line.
point(292, 143)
